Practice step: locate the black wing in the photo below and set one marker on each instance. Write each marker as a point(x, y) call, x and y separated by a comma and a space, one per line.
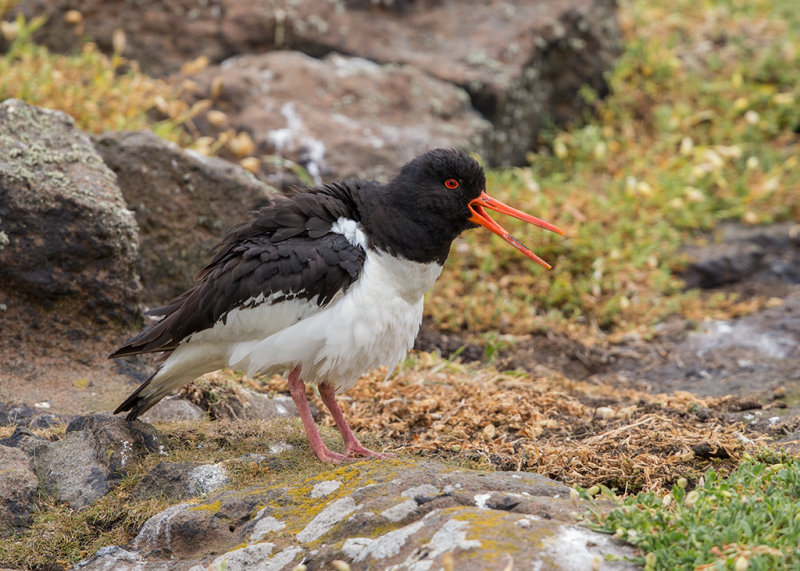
point(286, 251)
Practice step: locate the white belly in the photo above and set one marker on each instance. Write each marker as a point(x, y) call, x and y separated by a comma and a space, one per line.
point(373, 324)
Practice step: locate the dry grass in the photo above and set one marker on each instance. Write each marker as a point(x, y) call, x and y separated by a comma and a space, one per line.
point(574, 432)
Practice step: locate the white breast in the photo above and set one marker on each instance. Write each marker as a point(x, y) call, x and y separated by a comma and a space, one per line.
point(373, 324)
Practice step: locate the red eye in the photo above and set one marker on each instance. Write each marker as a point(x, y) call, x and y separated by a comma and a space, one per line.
point(451, 183)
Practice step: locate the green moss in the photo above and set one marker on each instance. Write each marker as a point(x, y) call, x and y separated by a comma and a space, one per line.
point(212, 507)
point(484, 526)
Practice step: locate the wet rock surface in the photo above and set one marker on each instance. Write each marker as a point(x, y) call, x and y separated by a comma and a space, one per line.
point(412, 514)
point(751, 355)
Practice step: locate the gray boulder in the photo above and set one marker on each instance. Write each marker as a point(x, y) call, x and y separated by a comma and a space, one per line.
point(66, 236)
point(93, 457)
point(523, 63)
point(18, 490)
point(398, 514)
point(68, 254)
point(339, 116)
point(183, 203)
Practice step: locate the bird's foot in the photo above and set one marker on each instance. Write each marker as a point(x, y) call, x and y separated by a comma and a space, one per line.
point(355, 449)
point(327, 455)
point(352, 452)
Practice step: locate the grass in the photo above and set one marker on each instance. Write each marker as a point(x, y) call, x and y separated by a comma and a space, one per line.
point(749, 520)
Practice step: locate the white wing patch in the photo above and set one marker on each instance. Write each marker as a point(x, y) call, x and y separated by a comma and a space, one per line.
point(255, 320)
point(351, 230)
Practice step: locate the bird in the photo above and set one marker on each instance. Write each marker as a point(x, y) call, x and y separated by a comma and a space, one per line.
point(324, 284)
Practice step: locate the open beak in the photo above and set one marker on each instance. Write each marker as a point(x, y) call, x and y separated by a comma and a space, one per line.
point(479, 216)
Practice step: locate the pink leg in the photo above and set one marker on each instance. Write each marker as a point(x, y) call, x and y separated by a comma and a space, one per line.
point(298, 391)
point(352, 447)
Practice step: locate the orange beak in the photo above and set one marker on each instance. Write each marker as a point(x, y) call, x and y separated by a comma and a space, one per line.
point(479, 216)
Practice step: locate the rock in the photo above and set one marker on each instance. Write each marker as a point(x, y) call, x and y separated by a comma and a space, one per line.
point(246, 404)
point(66, 238)
point(93, 457)
point(338, 117)
point(752, 355)
point(745, 253)
point(259, 556)
point(23, 415)
point(183, 203)
point(15, 414)
point(18, 490)
point(179, 480)
point(185, 531)
point(264, 407)
point(173, 408)
point(68, 254)
point(26, 441)
point(113, 558)
point(402, 513)
point(522, 63)
point(269, 459)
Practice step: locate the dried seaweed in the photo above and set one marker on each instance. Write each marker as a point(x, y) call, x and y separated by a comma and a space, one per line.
point(549, 424)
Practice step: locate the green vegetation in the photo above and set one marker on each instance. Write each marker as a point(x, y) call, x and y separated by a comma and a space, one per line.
point(750, 520)
point(701, 127)
point(99, 92)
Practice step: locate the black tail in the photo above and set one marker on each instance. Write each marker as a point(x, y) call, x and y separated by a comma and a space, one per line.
point(163, 335)
point(136, 403)
point(158, 337)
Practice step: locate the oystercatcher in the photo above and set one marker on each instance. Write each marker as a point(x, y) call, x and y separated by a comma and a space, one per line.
point(325, 284)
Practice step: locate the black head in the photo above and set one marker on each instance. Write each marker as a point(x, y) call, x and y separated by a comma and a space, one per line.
point(448, 176)
point(434, 198)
